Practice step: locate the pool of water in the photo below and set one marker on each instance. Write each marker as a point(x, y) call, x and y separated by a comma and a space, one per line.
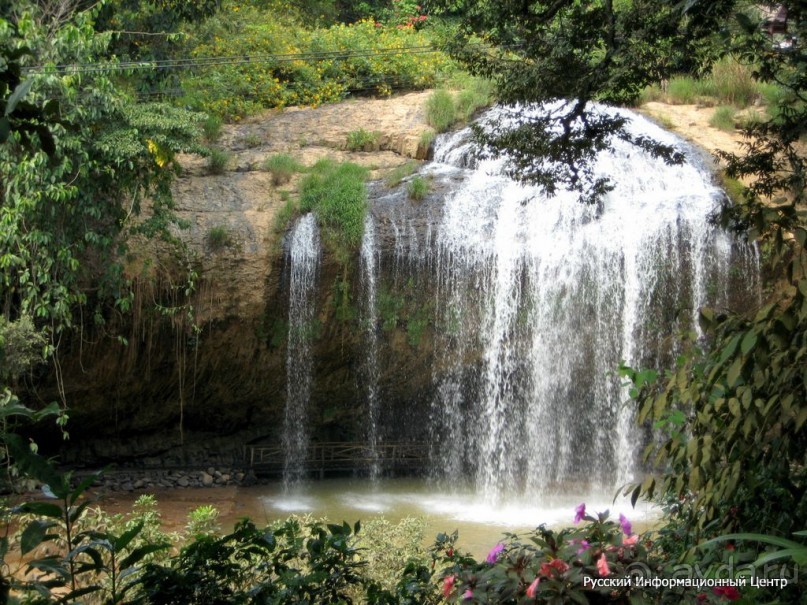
point(443, 508)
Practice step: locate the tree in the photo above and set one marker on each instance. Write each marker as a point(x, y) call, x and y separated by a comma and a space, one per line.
point(580, 52)
point(76, 177)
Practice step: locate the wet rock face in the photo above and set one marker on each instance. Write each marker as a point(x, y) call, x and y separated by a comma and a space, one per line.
point(174, 397)
point(186, 396)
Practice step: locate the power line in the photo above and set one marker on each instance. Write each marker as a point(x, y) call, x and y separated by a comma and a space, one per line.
point(190, 63)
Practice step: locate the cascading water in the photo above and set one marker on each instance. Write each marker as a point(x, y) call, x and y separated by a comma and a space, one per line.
point(303, 252)
point(539, 300)
point(369, 272)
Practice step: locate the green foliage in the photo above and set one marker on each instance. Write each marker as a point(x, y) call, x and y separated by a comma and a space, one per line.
point(203, 521)
point(417, 188)
point(732, 83)
point(68, 211)
point(272, 37)
point(399, 173)
point(426, 139)
point(219, 237)
point(336, 193)
point(361, 140)
point(440, 112)
point(579, 52)
point(22, 347)
point(218, 160)
point(723, 118)
point(741, 441)
point(287, 563)
point(683, 90)
point(211, 128)
point(388, 548)
point(282, 167)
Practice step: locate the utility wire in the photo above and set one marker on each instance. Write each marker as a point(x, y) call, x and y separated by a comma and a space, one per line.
point(190, 63)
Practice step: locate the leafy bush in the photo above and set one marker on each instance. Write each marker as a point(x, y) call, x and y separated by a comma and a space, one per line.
point(361, 140)
point(723, 118)
point(440, 112)
point(350, 59)
point(336, 193)
point(282, 167)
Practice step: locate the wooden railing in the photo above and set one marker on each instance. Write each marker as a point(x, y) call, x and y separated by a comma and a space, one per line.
point(342, 457)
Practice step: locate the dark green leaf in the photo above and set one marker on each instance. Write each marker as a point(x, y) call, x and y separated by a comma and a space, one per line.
point(34, 534)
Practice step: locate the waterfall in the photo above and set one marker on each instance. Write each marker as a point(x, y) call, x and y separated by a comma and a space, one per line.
point(369, 271)
point(303, 253)
point(541, 298)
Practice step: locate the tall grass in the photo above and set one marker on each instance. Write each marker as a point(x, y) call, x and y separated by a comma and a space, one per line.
point(399, 173)
point(282, 167)
point(336, 193)
point(682, 89)
point(723, 118)
point(417, 188)
point(731, 83)
point(218, 161)
point(440, 112)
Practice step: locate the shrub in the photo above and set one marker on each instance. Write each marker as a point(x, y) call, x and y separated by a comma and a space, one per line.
point(218, 160)
point(723, 118)
point(336, 193)
point(361, 140)
point(440, 112)
point(219, 237)
point(211, 128)
point(242, 88)
point(203, 521)
point(417, 188)
point(282, 167)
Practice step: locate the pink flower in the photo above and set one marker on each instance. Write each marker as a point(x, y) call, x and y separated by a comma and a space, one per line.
point(580, 512)
point(626, 526)
point(602, 566)
point(631, 540)
point(533, 587)
point(467, 595)
point(584, 546)
point(448, 585)
point(494, 553)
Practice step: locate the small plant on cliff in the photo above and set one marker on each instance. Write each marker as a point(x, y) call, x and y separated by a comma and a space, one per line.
point(219, 237)
point(282, 167)
point(440, 111)
point(417, 188)
point(399, 173)
point(361, 140)
point(336, 193)
point(217, 161)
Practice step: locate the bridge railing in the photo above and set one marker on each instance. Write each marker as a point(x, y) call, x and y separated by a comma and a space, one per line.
point(341, 456)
